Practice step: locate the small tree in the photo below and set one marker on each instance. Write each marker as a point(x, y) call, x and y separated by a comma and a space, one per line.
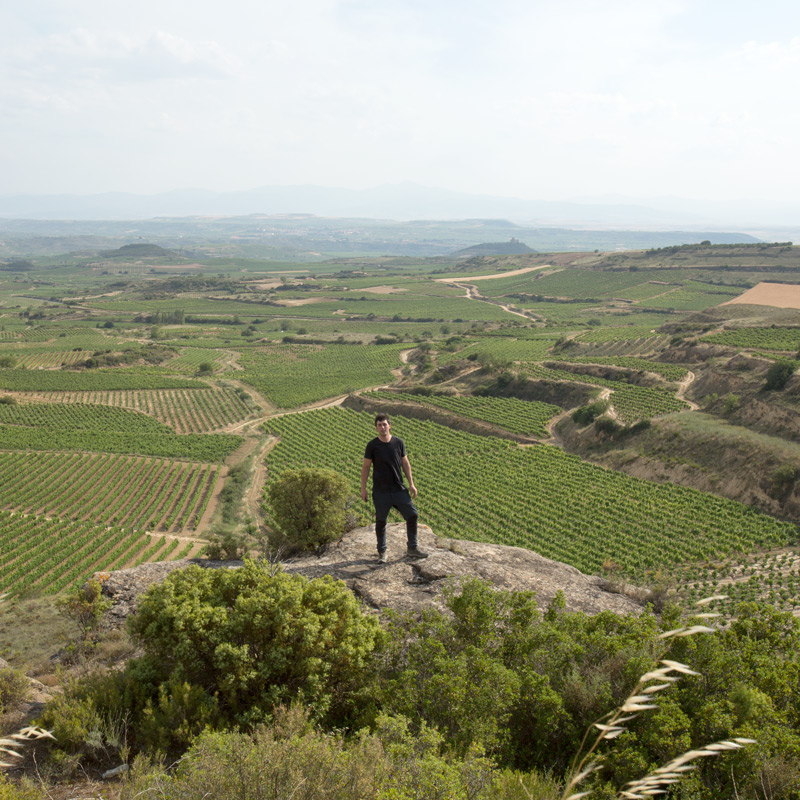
point(778, 375)
point(308, 508)
point(206, 368)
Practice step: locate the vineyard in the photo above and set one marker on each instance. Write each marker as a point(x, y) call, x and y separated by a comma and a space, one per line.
point(25, 380)
point(137, 493)
point(184, 410)
point(92, 459)
point(671, 372)
point(773, 577)
point(292, 375)
point(512, 350)
point(192, 446)
point(44, 556)
point(613, 334)
point(48, 359)
point(535, 497)
point(631, 403)
point(526, 417)
point(61, 417)
point(190, 360)
point(763, 338)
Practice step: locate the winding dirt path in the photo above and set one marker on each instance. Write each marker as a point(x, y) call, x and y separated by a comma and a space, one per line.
point(683, 386)
point(471, 293)
point(252, 497)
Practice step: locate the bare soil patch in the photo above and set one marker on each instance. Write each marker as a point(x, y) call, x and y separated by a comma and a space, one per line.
point(304, 301)
point(469, 279)
point(778, 295)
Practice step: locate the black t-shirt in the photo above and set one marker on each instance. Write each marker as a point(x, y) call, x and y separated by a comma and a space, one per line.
point(387, 470)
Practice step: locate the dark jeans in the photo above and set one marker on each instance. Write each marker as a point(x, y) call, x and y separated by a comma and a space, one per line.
point(384, 503)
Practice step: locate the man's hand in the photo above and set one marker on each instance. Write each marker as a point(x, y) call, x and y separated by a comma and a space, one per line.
point(412, 490)
point(364, 495)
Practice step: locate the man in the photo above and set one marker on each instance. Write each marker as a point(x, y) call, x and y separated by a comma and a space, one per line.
point(387, 454)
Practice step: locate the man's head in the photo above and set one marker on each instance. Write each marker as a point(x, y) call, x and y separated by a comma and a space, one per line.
point(383, 425)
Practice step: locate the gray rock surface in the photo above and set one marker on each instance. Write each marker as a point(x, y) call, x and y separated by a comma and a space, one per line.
point(403, 584)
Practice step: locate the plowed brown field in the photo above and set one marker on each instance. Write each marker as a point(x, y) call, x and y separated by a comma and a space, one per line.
point(778, 295)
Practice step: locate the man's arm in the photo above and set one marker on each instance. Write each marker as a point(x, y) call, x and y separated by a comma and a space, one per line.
point(365, 468)
point(406, 465)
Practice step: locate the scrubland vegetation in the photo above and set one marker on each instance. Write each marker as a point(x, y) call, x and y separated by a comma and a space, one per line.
point(605, 411)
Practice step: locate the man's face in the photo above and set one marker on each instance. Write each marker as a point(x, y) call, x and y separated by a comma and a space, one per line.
point(383, 426)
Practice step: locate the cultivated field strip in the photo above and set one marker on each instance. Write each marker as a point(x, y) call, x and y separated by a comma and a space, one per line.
point(774, 577)
point(65, 416)
point(486, 489)
point(671, 372)
point(50, 359)
point(39, 555)
point(523, 351)
point(191, 358)
point(184, 410)
point(134, 492)
point(292, 375)
point(94, 380)
point(763, 338)
point(526, 417)
point(49, 332)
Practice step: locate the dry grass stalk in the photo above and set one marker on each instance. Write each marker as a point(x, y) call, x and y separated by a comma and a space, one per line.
point(11, 744)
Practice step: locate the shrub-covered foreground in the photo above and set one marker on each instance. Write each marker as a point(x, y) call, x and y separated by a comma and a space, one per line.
point(460, 704)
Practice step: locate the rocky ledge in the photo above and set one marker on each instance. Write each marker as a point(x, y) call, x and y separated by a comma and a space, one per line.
point(404, 584)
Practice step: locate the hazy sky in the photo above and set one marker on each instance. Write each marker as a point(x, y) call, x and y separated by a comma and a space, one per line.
point(539, 99)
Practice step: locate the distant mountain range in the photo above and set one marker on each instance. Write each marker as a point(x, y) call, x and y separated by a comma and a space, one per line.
point(403, 201)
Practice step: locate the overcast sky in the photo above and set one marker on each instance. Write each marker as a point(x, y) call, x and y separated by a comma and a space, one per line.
point(538, 99)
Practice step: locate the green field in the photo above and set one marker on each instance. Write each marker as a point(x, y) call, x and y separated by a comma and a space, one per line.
point(140, 493)
point(293, 375)
point(526, 417)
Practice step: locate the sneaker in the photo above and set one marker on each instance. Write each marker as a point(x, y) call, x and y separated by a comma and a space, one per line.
point(415, 552)
point(383, 556)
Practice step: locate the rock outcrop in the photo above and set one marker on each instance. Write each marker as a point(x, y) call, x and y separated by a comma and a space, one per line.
point(403, 584)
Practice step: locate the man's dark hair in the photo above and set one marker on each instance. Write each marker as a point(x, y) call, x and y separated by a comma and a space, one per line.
point(381, 418)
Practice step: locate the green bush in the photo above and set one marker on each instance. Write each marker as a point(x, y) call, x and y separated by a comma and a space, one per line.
point(14, 687)
point(778, 375)
point(782, 481)
point(499, 673)
point(225, 545)
point(308, 508)
point(290, 759)
point(606, 425)
point(73, 720)
point(25, 790)
point(254, 640)
point(586, 414)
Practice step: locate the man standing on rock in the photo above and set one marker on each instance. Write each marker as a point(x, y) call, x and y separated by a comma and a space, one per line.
point(387, 454)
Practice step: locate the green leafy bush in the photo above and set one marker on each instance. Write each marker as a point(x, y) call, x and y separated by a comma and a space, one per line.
point(254, 640)
point(308, 508)
point(14, 687)
point(291, 759)
point(586, 414)
point(606, 425)
point(778, 375)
